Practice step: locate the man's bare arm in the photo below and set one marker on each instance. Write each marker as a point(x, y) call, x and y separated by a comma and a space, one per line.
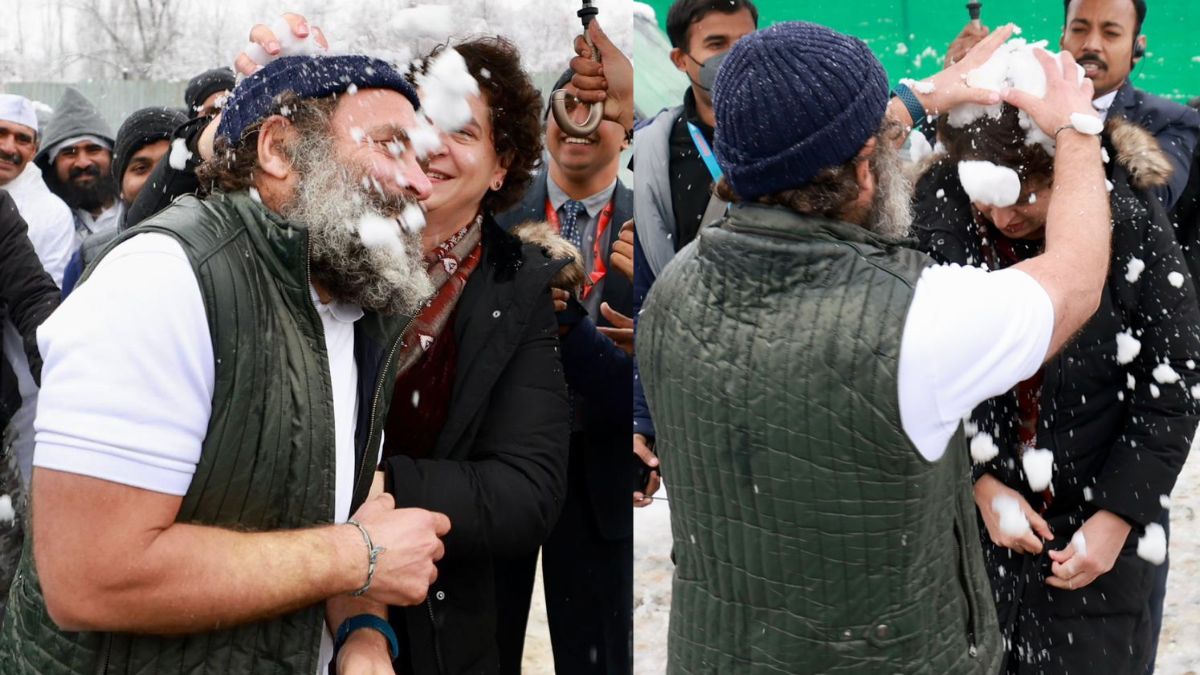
point(112, 558)
point(1074, 266)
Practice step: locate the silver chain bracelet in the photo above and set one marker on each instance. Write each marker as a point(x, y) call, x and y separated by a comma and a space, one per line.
point(373, 551)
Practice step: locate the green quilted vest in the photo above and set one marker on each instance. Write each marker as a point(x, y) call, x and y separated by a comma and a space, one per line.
point(810, 536)
point(268, 456)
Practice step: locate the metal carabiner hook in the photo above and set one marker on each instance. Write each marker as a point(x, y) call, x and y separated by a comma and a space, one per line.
point(558, 99)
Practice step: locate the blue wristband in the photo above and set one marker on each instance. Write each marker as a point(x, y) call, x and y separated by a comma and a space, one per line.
point(367, 621)
point(915, 110)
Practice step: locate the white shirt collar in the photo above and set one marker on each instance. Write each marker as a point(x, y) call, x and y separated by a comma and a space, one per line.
point(1105, 102)
point(344, 312)
point(593, 203)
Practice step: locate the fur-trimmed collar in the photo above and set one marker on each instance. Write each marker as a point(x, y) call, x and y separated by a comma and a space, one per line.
point(542, 235)
point(1139, 152)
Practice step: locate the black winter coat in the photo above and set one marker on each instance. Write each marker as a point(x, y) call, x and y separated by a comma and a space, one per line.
point(27, 296)
point(1118, 434)
point(499, 466)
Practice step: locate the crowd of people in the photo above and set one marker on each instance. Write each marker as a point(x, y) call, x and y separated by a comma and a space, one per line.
point(308, 374)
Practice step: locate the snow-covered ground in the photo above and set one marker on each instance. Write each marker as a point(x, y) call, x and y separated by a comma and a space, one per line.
point(1179, 648)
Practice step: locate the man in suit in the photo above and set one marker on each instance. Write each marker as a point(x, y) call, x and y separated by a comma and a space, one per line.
point(587, 563)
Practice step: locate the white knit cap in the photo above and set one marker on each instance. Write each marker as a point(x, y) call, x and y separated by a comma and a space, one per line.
point(19, 110)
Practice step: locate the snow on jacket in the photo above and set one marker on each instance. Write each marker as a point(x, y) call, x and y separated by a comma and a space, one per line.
point(1120, 432)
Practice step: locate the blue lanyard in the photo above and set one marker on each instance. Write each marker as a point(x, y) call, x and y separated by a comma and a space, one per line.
point(706, 153)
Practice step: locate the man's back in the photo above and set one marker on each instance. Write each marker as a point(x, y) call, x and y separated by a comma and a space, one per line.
point(791, 475)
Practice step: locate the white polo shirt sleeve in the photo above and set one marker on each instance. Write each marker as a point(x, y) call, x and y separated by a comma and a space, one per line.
point(970, 334)
point(127, 381)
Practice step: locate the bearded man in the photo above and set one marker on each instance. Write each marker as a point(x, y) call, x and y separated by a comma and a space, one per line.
point(807, 372)
point(75, 158)
point(213, 394)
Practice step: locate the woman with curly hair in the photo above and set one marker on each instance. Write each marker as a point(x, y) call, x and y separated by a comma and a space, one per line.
point(479, 423)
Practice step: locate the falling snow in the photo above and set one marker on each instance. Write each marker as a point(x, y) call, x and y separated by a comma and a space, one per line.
point(180, 155)
point(1152, 545)
point(983, 448)
point(1128, 347)
point(1012, 518)
point(1038, 465)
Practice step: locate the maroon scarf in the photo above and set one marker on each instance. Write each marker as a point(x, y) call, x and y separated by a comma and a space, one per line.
point(1000, 252)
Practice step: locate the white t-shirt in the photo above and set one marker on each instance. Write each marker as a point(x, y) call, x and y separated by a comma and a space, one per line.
point(127, 383)
point(970, 335)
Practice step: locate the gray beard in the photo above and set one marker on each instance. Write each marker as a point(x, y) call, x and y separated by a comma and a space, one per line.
point(329, 202)
point(891, 213)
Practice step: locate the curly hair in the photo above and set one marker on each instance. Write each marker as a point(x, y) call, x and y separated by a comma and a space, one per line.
point(1000, 141)
point(232, 165)
point(827, 194)
point(515, 105)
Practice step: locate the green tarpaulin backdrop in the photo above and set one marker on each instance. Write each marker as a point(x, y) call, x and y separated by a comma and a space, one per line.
point(910, 36)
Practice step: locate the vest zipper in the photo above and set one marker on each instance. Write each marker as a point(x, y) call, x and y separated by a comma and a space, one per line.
point(375, 400)
point(437, 645)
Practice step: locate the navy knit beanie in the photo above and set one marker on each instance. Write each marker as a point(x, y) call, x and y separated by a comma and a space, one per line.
point(792, 100)
point(308, 77)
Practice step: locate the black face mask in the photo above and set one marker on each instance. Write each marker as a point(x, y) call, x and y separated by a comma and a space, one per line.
point(708, 70)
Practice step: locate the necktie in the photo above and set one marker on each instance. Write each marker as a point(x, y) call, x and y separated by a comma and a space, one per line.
point(570, 230)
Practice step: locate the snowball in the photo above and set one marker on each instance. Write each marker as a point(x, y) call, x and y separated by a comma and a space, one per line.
point(918, 147)
point(1130, 381)
point(1154, 392)
point(901, 49)
point(1164, 501)
point(1080, 543)
point(1152, 545)
point(357, 135)
point(1038, 465)
point(1087, 494)
point(1014, 65)
point(1176, 279)
point(1087, 123)
point(1012, 518)
point(987, 183)
point(1196, 391)
point(1127, 347)
point(941, 194)
point(7, 513)
point(1133, 269)
point(444, 90)
point(983, 448)
point(969, 427)
point(1165, 374)
point(379, 232)
point(180, 155)
point(424, 138)
point(412, 218)
point(254, 195)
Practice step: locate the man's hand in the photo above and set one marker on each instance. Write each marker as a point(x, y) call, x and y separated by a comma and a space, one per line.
point(1104, 534)
point(950, 85)
point(641, 449)
point(560, 298)
point(987, 488)
point(610, 81)
point(412, 539)
point(264, 38)
point(622, 328)
point(622, 251)
point(970, 36)
point(1065, 94)
point(365, 652)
